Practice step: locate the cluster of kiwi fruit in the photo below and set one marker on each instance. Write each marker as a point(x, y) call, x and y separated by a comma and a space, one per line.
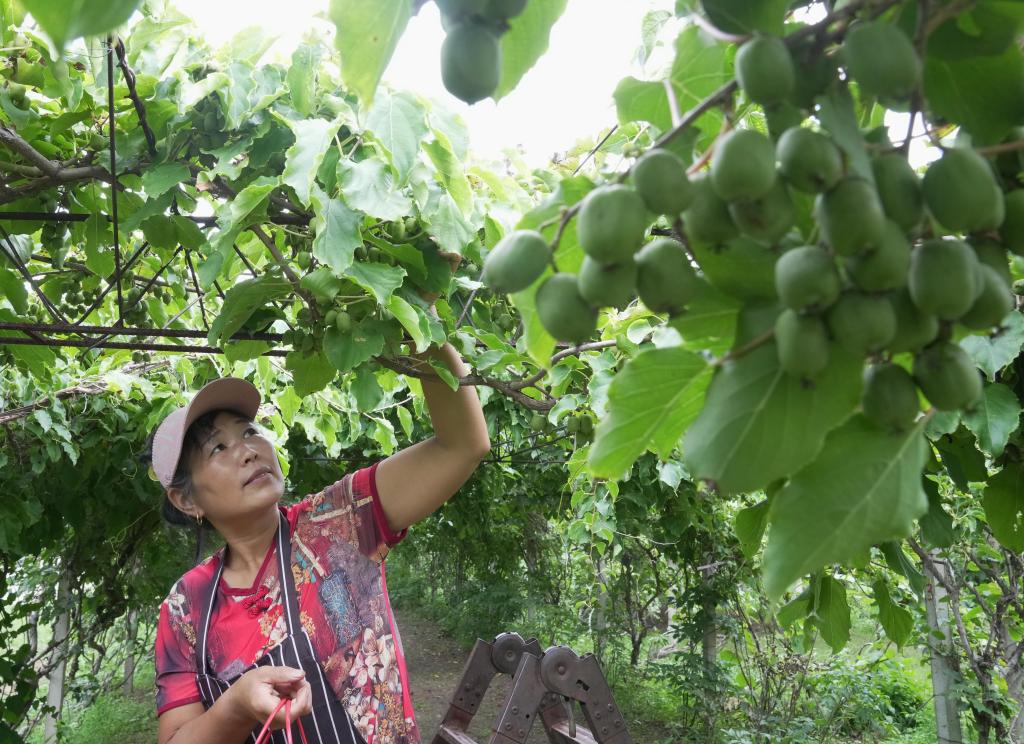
point(471, 52)
point(897, 260)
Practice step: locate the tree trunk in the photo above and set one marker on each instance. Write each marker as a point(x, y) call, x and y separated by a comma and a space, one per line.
point(943, 661)
point(129, 660)
point(709, 638)
point(55, 691)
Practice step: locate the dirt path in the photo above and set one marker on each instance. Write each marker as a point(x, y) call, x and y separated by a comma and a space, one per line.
point(435, 665)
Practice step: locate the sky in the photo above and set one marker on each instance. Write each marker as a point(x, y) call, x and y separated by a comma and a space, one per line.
point(566, 96)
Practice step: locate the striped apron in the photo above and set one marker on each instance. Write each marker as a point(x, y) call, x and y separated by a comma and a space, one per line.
point(329, 722)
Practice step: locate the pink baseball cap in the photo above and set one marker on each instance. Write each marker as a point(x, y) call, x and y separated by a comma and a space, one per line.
point(230, 393)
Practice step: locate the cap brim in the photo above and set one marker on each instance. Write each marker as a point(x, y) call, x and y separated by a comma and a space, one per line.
point(228, 393)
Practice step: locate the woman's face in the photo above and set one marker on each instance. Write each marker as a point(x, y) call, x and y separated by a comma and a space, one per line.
point(235, 472)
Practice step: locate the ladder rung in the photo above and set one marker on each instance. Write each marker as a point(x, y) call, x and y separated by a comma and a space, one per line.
point(454, 736)
point(583, 735)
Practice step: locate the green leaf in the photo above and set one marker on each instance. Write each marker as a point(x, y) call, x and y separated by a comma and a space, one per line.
point(962, 460)
point(366, 389)
point(839, 117)
point(983, 94)
point(247, 207)
point(448, 225)
point(540, 345)
point(312, 138)
point(864, 488)
point(406, 315)
point(397, 120)
point(994, 418)
point(742, 268)
point(1004, 507)
point(896, 621)
point(369, 186)
point(367, 34)
point(450, 170)
point(241, 351)
point(936, 524)
point(994, 352)
point(525, 42)
point(337, 232)
point(750, 526)
point(13, 288)
point(322, 283)
point(709, 321)
point(900, 562)
point(98, 235)
point(832, 613)
point(162, 178)
point(346, 351)
point(242, 300)
point(67, 20)
point(442, 371)
point(700, 66)
point(651, 401)
point(795, 609)
point(760, 424)
point(309, 373)
point(405, 420)
point(379, 279)
point(746, 16)
point(160, 232)
point(301, 77)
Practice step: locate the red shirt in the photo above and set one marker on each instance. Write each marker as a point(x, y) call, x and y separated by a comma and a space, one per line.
point(339, 538)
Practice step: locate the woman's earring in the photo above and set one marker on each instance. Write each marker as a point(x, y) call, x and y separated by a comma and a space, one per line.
point(199, 520)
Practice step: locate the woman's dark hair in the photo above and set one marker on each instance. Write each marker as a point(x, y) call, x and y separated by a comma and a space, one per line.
point(182, 480)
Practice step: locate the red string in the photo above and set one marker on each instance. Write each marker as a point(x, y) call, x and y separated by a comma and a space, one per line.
point(285, 703)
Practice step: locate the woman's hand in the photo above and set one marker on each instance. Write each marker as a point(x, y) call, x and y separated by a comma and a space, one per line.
point(259, 691)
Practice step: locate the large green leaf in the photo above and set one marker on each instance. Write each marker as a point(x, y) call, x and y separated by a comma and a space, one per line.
point(747, 16)
point(161, 178)
point(994, 418)
point(1004, 506)
point(839, 117)
point(864, 488)
point(312, 138)
point(337, 232)
point(742, 268)
point(700, 66)
point(397, 120)
point(369, 186)
point(651, 401)
point(896, 621)
point(242, 300)
point(750, 526)
point(309, 373)
point(994, 352)
point(709, 321)
point(68, 19)
point(346, 351)
point(983, 94)
point(450, 171)
point(898, 561)
point(367, 34)
point(301, 77)
point(406, 315)
point(832, 613)
point(524, 43)
point(447, 224)
point(379, 279)
point(936, 524)
point(760, 424)
point(13, 288)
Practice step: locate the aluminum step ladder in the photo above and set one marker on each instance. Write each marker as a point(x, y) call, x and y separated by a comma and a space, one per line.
point(546, 686)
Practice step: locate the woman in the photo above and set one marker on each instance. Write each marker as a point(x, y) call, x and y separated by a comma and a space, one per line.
point(295, 605)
